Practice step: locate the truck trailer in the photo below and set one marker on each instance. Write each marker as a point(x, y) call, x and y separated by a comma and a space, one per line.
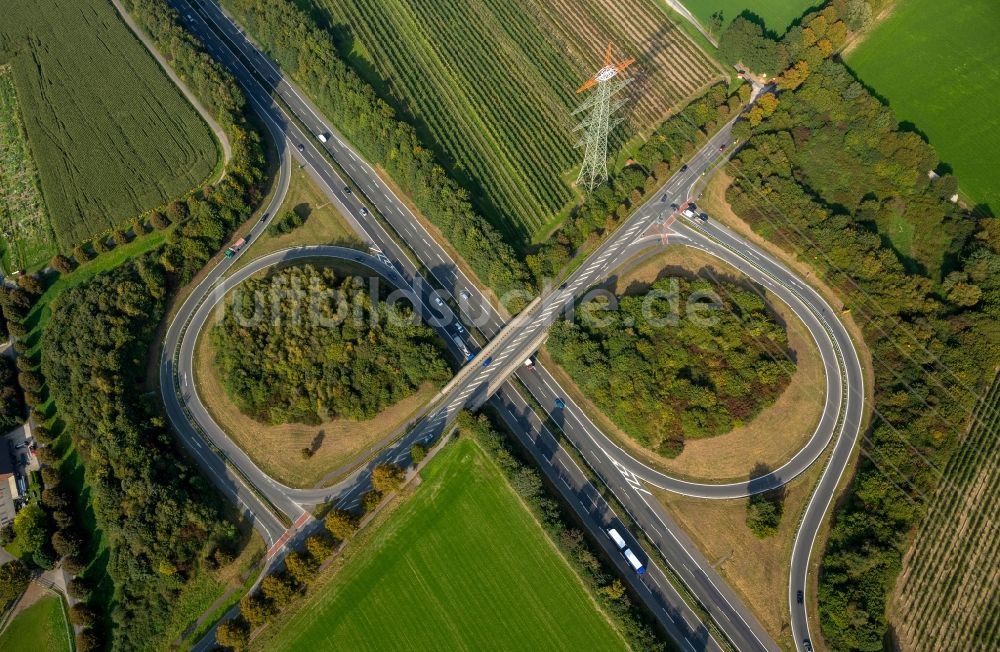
point(634, 562)
point(617, 538)
point(230, 252)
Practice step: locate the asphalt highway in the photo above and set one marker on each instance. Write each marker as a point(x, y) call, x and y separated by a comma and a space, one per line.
point(510, 345)
point(675, 615)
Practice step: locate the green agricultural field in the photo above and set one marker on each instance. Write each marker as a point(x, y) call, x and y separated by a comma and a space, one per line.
point(936, 65)
point(778, 15)
point(110, 134)
point(27, 238)
point(491, 84)
point(461, 565)
point(43, 626)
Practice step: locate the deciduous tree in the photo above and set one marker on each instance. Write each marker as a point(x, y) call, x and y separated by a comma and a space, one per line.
point(341, 523)
point(234, 633)
point(387, 477)
point(14, 578)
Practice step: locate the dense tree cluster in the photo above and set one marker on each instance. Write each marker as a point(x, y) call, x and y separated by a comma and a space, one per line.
point(323, 350)
point(829, 174)
point(764, 510)
point(11, 403)
point(32, 529)
point(606, 589)
point(280, 588)
point(662, 377)
point(308, 54)
point(15, 303)
point(660, 156)
point(341, 523)
point(286, 223)
point(157, 512)
point(818, 35)
point(387, 477)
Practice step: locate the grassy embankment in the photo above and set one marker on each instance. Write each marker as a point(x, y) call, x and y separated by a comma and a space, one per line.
point(757, 569)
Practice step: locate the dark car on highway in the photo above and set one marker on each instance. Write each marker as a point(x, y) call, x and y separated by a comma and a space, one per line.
point(488, 361)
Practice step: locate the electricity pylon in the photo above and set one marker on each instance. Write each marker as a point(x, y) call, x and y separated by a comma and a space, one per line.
point(598, 123)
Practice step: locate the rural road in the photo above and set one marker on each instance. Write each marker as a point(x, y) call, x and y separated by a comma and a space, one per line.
point(623, 474)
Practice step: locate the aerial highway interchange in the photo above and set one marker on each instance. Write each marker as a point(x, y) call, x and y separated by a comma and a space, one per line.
point(281, 512)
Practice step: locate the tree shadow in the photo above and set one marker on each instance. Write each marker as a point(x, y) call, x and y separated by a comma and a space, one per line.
point(317, 441)
point(303, 210)
point(982, 210)
point(907, 126)
point(764, 487)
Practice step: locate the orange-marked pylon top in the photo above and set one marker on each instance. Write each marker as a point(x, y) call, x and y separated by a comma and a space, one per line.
point(609, 70)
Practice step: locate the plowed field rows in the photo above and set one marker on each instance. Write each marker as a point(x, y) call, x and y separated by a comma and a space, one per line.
point(948, 596)
point(493, 83)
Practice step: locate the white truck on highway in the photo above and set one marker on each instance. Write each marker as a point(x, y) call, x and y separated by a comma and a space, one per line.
point(617, 538)
point(634, 562)
point(630, 557)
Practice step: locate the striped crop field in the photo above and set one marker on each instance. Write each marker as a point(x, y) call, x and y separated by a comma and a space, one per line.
point(948, 595)
point(491, 83)
point(670, 68)
point(27, 239)
point(110, 134)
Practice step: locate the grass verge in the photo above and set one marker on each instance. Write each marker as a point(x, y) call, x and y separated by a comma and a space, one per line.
point(323, 224)
point(757, 569)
